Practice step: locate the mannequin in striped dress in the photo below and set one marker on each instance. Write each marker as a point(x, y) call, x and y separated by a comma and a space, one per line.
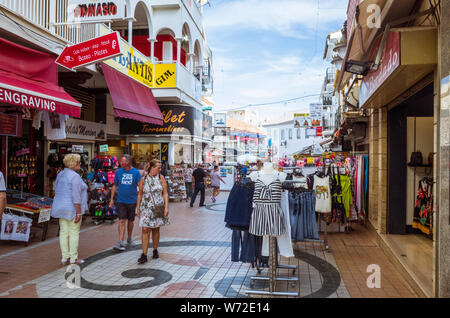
point(267, 217)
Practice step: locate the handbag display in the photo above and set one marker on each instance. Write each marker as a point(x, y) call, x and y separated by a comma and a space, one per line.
point(158, 210)
point(416, 159)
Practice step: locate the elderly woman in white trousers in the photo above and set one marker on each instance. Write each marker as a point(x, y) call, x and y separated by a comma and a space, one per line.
point(69, 204)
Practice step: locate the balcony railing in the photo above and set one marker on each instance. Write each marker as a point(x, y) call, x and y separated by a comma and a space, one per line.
point(188, 83)
point(52, 16)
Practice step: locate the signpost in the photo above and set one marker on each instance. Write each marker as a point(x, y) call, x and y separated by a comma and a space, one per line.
point(90, 52)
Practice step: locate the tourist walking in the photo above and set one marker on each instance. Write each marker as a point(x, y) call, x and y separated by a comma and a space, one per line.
point(188, 181)
point(199, 185)
point(125, 185)
point(69, 204)
point(215, 183)
point(152, 208)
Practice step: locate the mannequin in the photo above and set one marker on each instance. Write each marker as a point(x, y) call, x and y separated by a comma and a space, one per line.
point(267, 174)
point(267, 217)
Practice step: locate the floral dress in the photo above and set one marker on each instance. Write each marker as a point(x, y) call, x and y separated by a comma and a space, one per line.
point(152, 186)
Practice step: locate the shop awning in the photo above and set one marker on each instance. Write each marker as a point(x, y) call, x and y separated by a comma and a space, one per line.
point(28, 78)
point(131, 99)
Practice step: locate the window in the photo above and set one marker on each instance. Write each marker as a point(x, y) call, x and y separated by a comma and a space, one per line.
point(299, 136)
point(283, 137)
point(290, 133)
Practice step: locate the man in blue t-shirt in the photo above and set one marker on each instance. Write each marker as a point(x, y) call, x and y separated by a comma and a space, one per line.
point(126, 183)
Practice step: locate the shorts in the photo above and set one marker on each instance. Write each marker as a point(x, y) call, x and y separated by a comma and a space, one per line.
point(126, 211)
point(216, 187)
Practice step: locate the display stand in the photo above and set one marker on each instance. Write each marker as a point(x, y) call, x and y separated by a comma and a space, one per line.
point(272, 274)
point(176, 184)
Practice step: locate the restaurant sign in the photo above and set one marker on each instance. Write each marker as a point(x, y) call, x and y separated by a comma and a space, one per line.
point(95, 10)
point(390, 61)
point(136, 65)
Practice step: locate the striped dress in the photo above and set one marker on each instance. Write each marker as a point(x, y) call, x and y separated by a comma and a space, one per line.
point(267, 217)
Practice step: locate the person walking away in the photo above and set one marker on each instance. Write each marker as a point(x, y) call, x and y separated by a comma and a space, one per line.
point(199, 185)
point(69, 204)
point(2, 195)
point(125, 185)
point(215, 183)
point(188, 181)
point(152, 208)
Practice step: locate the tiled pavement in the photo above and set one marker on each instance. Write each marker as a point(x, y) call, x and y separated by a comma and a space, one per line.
point(194, 263)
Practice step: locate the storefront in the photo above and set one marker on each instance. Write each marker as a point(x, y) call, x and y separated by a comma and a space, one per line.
point(80, 137)
point(400, 95)
point(183, 138)
point(25, 91)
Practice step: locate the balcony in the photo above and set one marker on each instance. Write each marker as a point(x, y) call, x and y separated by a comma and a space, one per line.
point(187, 87)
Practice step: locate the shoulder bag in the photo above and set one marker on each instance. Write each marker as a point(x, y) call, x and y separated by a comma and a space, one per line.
point(158, 210)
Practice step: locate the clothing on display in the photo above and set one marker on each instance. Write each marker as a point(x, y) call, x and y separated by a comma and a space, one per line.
point(302, 216)
point(176, 183)
point(267, 217)
point(104, 163)
point(323, 194)
point(239, 207)
point(423, 210)
point(55, 125)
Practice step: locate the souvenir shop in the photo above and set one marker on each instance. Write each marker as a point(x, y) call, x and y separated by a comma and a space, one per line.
point(25, 93)
point(271, 208)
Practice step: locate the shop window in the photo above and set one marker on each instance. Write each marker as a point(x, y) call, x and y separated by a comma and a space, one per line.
point(283, 137)
point(290, 133)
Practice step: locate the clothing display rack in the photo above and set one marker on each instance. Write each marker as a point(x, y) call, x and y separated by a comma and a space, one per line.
point(274, 265)
point(325, 240)
point(272, 274)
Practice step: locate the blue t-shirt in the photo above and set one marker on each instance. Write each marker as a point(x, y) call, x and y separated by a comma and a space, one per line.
point(127, 182)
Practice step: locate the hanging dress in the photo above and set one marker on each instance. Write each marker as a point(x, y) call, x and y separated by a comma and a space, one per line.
point(267, 217)
point(148, 219)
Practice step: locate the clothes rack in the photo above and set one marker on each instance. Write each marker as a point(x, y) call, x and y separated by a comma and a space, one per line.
point(272, 275)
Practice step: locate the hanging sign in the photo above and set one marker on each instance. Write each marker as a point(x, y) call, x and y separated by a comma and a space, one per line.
point(95, 10)
point(77, 148)
point(136, 65)
point(81, 129)
point(44, 216)
point(9, 125)
point(90, 52)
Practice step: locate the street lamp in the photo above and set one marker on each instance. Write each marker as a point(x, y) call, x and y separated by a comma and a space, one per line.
point(358, 67)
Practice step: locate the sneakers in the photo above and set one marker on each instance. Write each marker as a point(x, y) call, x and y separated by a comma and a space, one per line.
point(143, 259)
point(130, 243)
point(155, 254)
point(191, 205)
point(119, 246)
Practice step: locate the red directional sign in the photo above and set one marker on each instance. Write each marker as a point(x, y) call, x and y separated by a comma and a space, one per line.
point(90, 52)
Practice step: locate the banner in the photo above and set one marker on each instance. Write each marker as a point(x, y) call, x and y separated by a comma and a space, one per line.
point(315, 114)
point(95, 11)
point(220, 119)
point(80, 129)
point(139, 67)
point(302, 120)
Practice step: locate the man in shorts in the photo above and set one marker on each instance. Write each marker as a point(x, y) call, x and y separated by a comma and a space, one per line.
point(126, 185)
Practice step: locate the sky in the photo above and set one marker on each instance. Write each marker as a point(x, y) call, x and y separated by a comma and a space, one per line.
point(269, 50)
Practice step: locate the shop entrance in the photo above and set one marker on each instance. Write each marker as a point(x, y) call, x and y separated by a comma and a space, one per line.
point(410, 221)
point(143, 153)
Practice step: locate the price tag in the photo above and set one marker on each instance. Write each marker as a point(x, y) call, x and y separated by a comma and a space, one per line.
point(44, 216)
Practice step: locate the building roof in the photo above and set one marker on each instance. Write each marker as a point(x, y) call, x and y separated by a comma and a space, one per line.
point(238, 125)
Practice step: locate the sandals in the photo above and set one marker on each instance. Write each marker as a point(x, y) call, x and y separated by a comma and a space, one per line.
point(64, 261)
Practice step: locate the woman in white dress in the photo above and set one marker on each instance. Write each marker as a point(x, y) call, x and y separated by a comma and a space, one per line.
point(153, 197)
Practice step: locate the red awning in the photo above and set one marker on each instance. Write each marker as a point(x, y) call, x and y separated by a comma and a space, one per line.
point(29, 78)
point(131, 99)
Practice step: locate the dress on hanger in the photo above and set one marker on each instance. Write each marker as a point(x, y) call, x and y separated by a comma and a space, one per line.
point(267, 217)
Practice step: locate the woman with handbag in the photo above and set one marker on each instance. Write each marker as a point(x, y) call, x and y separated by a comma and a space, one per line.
point(152, 208)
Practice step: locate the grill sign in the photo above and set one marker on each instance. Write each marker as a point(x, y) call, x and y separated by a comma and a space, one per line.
point(92, 11)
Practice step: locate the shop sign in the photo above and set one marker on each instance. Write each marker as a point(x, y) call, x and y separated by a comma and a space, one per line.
point(104, 148)
point(178, 120)
point(319, 131)
point(77, 148)
point(139, 67)
point(9, 125)
point(164, 151)
point(80, 129)
point(220, 119)
point(95, 10)
point(23, 152)
point(90, 52)
point(351, 12)
point(390, 61)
